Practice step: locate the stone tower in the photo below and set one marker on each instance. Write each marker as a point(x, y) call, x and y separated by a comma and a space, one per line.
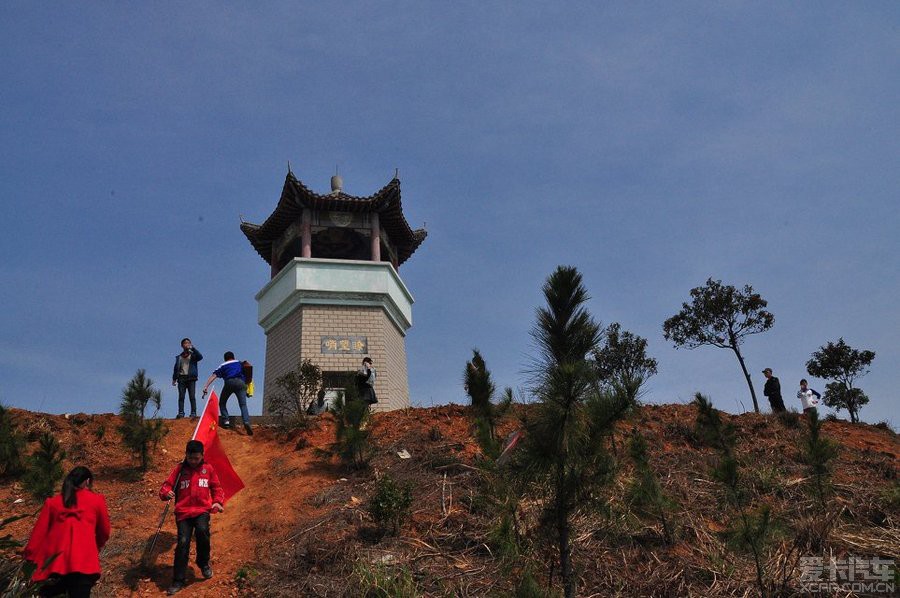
point(335, 295)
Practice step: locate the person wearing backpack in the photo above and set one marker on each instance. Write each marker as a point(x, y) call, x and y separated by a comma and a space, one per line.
point(235, 383)
point(197, 491)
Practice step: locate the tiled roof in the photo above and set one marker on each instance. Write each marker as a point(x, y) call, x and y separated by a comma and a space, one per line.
point(295, 196)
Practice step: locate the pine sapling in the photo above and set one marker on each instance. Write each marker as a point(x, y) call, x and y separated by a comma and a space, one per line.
point(645, 494)
point(749, 530)
point(12, 446)
point(44, 470)
point(709, 427)
point(352, 443)
point(566, 458)
point(819, 453)
point(139, 433)
point(485, 412)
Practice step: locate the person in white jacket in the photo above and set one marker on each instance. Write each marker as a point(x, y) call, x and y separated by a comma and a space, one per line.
point(808, 397)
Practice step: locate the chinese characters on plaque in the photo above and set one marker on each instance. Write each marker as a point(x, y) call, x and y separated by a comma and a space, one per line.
point(344, 344)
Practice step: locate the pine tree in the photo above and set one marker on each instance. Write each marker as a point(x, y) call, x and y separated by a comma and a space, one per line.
point(486, 414)
point(12, 445)
point(565, 456)
point(749, 529)
point(819, 452)
point(139, 433)
point(646, 493)
point(44, 470)
point(352, 443)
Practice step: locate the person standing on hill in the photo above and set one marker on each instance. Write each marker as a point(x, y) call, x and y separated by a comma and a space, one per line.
point(772, 389)
point(808, 398)
point(232, 372)
point(66, 541)
point(197, 491)
point(184, 375)
point(365, 381)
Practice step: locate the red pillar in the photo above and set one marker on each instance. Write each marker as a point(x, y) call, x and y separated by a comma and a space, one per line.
point(306, 233)
point(274, 262)
point(376, 238)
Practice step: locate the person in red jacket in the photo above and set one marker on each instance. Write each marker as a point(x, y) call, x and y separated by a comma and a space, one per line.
point(197, 492)
point(66, 540)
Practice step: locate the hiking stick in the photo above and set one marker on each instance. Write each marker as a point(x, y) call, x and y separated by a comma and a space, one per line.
point(152, 545)
point(148, 552)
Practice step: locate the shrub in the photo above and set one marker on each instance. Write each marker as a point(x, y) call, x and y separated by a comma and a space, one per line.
point(789, 419)
point(12, 445)
point(528, 587)
point(294, 393)
point(886, 426)
point(243, 577)
point(891, 496)
point(44, 471)
point(390, 504)
point(382, 581)
point(14, 572)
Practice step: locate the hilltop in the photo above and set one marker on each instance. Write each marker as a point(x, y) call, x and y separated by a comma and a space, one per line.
point(301, 526)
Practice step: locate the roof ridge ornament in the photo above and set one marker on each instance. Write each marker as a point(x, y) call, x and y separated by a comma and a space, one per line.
point(337, 183)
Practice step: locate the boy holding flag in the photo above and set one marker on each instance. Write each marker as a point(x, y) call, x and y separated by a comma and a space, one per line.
point(199, 487)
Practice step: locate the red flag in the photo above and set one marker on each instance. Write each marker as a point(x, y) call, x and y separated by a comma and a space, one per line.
point(207, 432)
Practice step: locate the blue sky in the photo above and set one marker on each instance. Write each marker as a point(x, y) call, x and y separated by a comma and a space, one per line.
point(652, 145)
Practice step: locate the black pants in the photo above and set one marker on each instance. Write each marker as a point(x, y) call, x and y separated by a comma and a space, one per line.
point(186, 527)
point(777, 404)
point(190, 386)
point(74, 585)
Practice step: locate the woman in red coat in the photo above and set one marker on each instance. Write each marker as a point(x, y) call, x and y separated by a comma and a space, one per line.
point(66, 540)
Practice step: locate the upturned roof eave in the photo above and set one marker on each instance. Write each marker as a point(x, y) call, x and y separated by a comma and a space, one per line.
point(295, 196)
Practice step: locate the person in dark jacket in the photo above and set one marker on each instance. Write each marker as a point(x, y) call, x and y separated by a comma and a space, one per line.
point(66, 541)
point(184, 375)
point(365, 381)
point(197, 491)
point(772, 389)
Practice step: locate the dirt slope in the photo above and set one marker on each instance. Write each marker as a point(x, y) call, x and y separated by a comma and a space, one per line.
point(300, 524)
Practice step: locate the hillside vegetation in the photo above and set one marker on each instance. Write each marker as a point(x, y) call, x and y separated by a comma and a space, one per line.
point(304, 524)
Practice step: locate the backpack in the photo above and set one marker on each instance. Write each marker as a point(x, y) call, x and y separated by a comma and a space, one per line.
point(247, 370)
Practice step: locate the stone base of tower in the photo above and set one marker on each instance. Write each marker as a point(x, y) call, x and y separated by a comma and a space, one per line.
point(334, 313)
